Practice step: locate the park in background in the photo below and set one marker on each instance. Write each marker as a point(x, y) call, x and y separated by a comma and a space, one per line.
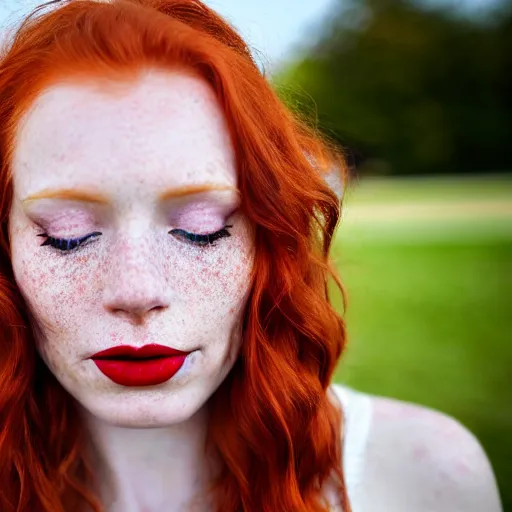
point(417, 93)
point(427, 266)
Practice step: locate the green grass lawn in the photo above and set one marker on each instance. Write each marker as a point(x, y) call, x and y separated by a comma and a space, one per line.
point(452, 188)
point(429, 312)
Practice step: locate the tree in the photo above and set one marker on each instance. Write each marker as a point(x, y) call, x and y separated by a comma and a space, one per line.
point(407, 88)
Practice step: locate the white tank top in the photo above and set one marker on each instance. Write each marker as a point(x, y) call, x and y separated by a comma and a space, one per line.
point(357, 408)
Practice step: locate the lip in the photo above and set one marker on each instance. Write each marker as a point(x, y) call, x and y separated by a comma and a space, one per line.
point(144, 352)
point(139, 366)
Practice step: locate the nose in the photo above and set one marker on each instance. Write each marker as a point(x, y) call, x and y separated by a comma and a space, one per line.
point(135, 286)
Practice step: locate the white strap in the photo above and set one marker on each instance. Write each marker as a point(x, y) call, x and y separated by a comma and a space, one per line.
point(357, 408)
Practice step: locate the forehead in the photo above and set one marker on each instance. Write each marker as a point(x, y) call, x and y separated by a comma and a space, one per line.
point(165, 129)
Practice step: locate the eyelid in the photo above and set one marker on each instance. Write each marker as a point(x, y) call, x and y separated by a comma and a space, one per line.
point(201, 240)
point(190, 211)
point(58, 242)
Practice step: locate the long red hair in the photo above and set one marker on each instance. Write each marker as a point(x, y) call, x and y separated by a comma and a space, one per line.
point(274, 429)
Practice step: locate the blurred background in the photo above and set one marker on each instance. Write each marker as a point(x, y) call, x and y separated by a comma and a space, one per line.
point(419, 93)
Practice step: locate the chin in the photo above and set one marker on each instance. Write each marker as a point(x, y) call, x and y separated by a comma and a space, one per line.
point(179, 400)
point(137, 408)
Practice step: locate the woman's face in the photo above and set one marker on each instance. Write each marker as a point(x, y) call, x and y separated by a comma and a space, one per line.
point(141, 168)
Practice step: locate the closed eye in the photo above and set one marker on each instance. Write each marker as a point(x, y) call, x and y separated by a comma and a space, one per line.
point(201, 240)
point(66, 245)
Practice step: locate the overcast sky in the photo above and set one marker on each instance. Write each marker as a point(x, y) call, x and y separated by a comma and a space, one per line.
point(272, 27)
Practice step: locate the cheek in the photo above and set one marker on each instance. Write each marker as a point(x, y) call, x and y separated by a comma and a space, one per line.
point(220, 283)
point(53, 289)
point(49, 292)
point(37, 283)
point(215, 281)
point(49, 307)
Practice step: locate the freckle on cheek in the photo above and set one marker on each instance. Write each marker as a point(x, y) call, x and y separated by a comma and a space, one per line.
point(82, 259)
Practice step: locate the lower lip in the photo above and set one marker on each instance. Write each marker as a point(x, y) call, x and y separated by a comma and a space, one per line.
point(140, 372)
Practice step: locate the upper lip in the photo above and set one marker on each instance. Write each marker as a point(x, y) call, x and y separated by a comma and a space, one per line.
point(144, 352)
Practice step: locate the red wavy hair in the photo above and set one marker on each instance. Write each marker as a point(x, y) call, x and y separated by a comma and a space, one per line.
point(274, 429)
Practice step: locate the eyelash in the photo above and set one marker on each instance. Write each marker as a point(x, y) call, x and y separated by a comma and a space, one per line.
point(66, 245)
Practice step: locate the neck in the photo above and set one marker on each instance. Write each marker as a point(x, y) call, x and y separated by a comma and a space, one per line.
point(149, 469)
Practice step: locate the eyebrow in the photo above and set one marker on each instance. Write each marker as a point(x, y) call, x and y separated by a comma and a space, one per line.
point(94, 196)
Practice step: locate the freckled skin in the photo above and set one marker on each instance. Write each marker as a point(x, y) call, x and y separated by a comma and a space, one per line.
point(136, 283)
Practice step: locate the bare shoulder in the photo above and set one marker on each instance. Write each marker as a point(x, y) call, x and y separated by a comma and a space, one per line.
point(418, 459)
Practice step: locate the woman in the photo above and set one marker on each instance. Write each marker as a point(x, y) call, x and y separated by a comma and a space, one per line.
point(167, 339)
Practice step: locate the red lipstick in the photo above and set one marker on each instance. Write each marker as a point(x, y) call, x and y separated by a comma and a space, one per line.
point(145, 366)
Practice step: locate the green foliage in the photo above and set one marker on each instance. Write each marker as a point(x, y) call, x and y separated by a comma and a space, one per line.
point(409, 89)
